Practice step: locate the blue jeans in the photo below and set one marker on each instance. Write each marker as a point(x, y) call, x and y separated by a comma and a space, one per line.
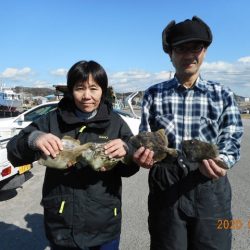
point(112, 245)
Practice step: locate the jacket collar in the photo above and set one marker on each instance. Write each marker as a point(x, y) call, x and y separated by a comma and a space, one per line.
point(66, 109)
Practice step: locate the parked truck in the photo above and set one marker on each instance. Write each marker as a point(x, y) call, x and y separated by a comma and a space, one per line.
point(11, 177)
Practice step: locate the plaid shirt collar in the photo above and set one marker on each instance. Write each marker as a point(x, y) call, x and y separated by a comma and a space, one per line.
point(200, 84)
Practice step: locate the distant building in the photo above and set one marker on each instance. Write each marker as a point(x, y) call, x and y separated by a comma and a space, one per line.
point(39, 100)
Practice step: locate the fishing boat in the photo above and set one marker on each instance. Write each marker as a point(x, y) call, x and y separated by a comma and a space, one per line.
point(9, 100)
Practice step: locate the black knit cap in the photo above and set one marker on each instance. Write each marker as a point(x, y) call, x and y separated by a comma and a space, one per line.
point(186, 31)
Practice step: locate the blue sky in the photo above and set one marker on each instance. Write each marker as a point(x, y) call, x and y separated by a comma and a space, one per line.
point(41, 40)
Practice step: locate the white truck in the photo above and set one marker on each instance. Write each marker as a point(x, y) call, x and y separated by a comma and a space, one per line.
point(11, 176)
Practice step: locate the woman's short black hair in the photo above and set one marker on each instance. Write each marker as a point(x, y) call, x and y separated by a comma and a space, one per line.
point(80, 72)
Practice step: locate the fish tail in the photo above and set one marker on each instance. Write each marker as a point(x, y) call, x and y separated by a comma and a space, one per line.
point(173, 152)
point(221, 164)
point(127, 159)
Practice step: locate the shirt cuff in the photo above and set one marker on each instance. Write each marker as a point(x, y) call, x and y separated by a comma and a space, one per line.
point(227, 160)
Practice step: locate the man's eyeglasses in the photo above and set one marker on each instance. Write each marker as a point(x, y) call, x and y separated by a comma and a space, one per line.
point(192, 49)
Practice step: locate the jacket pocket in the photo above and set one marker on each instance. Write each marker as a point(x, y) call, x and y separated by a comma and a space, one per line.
point(164, 175)
point(58, 210)
point(214, 198)
point(103, 214)
point(209, 130)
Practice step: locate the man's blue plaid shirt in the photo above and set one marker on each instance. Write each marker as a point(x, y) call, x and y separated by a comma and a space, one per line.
point(207, 112)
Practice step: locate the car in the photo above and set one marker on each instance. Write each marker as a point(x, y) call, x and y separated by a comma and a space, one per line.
point(245, 111)
point(12, 125)
point(11, 176)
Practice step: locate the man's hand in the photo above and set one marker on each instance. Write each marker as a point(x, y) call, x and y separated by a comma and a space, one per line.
point(211, 170)
point(49, 144)
point(144, 157)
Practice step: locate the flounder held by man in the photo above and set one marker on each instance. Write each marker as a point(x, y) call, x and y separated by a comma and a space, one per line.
point(93, 153)
point(196, 151)
point(155, 141)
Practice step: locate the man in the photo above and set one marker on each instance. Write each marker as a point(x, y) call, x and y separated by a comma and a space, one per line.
point(186, 203)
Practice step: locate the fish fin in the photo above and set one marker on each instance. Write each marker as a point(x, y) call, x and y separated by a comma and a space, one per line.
point(215, 149)
point(71, 163)
point(161, 132)
point(127, 159)
point(67, 137)
point(171, 151)
point(86, 146)
point(69, 142)
point(221, 163)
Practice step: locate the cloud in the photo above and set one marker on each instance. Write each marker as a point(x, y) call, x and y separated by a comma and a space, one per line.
point(59, 72)
point(233, 75)
point(46, 84)
point(128, 80)
point(134, 80)
point(219, 66)
point(41, 84)
point(244, 59)
point(16, 74)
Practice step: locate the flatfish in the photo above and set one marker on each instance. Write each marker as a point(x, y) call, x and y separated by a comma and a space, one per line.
point(155, 141)
point(94, 153)
point(71, 153)
point(196, 151)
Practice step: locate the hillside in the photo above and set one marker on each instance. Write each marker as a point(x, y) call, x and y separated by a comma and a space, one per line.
point(51, 91)
point(35, 91)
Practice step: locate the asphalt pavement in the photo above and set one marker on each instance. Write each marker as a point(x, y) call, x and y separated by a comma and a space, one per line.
point(21, 216)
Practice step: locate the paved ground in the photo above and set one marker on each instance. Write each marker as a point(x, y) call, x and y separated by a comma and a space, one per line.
point(21, 226)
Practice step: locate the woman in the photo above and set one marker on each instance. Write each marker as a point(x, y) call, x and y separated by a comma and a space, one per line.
point(82, 207)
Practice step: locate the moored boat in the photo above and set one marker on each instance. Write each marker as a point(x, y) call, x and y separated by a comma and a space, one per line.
point(9, 100)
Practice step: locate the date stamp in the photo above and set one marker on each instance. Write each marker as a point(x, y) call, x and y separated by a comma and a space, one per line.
point(234, 224)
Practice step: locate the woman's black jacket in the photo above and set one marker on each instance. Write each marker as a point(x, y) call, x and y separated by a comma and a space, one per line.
point(82, 207)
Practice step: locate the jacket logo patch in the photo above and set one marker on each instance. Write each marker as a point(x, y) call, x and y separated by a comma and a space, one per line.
point(103, 137)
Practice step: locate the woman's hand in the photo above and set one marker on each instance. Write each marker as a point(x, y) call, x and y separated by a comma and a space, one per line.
point(144, 157)
point(116, 148)
point(211, 170)
point(49, 144)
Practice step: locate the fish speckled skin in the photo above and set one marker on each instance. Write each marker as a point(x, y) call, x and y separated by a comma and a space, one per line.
point(155, 141)
point(93, 153)
point(196, 151)
point(70, 154)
